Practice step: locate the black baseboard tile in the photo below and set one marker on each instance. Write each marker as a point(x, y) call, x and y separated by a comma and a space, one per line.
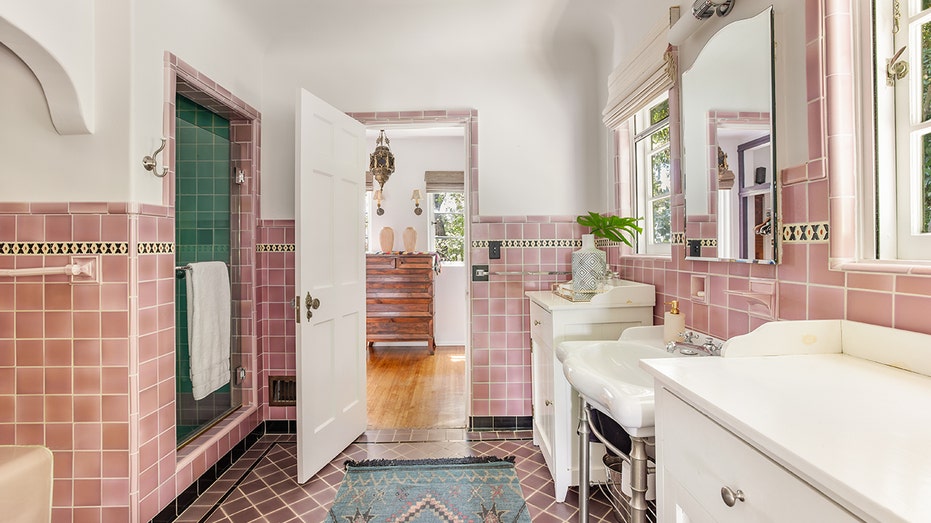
point(201, 484)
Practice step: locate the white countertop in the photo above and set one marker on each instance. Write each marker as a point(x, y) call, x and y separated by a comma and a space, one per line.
point(552, 302)
point(856, 430)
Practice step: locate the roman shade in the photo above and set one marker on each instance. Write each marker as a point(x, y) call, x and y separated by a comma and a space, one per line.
point(649, 72)
point(444, 181)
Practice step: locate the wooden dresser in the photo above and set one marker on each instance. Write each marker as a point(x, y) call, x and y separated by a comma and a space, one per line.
point(399, 298)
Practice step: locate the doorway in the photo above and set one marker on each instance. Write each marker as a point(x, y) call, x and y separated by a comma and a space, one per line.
point(408, 387)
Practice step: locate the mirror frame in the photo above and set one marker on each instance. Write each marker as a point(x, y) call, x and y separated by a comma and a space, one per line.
point(695, 245)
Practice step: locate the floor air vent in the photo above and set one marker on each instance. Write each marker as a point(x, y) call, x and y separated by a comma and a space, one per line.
point(282, 391)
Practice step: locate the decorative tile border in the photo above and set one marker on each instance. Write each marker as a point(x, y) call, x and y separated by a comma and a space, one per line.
point(705, 242)
point(274, 247)
point(54, 248)
point(155, 248)
point(678, 238)
point(528, 244)
point(806, 232)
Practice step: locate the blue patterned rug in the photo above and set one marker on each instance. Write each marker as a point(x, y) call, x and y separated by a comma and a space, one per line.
point(484, 489)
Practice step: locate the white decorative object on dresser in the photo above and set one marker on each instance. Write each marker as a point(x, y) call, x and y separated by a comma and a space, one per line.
point(555, 404)
point(799, 421)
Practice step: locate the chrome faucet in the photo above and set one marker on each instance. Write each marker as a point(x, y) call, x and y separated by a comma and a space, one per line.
point(688, 347)
point(711, 347)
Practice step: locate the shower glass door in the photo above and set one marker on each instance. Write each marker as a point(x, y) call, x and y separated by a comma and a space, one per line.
point(206, 223)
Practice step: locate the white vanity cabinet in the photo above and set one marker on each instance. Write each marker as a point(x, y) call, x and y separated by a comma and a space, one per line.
point(812, 420)
point(698, 458)
point(555, 404)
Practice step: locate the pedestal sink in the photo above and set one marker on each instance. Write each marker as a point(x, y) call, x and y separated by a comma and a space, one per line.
point(608, 375)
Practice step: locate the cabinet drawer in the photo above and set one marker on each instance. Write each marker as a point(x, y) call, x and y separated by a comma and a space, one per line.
point(406, 327)
point(398, 289)
point(702, 457)
point(399, 306)
point(380, 262)
point(415, 262)
point(541, 324)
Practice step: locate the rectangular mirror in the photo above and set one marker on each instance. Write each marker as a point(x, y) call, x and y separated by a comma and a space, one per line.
point(728, 145)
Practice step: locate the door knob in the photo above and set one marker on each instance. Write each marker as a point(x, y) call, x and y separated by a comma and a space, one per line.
point(312, 304)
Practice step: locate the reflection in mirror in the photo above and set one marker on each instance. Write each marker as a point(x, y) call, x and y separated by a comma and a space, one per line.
point(728, 148)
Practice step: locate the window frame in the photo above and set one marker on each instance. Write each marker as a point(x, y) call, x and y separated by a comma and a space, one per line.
point(891, 199)
point(431, 218)
point(640, 153)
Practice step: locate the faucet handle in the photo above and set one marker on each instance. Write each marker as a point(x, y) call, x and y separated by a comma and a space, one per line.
point(712, 347)
point(688, 336)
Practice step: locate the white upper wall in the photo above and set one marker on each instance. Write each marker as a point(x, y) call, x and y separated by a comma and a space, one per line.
point(536, 79)
point(536, 71)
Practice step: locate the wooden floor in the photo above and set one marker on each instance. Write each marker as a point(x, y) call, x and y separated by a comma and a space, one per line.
point(409, 388)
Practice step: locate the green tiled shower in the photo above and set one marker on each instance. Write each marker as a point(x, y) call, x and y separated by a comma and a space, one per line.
point(203, 180)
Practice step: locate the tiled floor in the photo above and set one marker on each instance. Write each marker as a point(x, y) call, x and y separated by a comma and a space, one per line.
point(261, 485)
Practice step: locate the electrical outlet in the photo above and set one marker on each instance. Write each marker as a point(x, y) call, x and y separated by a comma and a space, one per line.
point(479, 273)
point(694, 248)
point(494, 250)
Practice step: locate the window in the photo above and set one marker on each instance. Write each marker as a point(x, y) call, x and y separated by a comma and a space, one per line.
point(447, 217)
point(651, 174)
point(902, 79)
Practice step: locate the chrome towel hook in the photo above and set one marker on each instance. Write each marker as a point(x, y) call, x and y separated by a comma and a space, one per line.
point(150, 163)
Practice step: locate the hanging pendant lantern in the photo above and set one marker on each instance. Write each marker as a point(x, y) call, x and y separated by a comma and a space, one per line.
point(381, 161)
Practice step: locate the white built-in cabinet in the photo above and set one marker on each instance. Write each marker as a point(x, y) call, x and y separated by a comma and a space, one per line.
point(708, 474)
point(555, 403)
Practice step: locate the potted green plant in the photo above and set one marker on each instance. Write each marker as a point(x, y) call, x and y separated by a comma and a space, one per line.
point(613, 228)
point(589, 264)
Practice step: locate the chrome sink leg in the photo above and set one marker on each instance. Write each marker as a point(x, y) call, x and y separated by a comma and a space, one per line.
point(638, 480)
point(584, 460)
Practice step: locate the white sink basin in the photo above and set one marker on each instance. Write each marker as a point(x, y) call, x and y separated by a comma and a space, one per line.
point(608, 375)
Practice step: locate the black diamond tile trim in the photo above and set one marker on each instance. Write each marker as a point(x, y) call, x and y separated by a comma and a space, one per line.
point(155, 247)
point(806, 232)
point(533, 244)
point(678, 238)
point(56, 248)
point(274, 247)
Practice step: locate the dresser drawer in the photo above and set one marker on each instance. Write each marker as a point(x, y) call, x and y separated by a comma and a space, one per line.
point(701, 457)
point(415, 262)
point(541, 325)
point(398, 306)
point(408, 327)
point(380, 262)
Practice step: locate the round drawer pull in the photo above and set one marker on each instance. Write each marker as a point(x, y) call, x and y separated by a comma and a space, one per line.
point(537, 322)
point(547, 403)
point(730, 497)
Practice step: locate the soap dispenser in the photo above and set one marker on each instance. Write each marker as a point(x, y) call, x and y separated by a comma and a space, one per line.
point(673, 323)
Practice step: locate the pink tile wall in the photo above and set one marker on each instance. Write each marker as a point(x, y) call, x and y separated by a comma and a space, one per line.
point(501, 374)
point(65, 357)
point(275, 289)
point(807, 286)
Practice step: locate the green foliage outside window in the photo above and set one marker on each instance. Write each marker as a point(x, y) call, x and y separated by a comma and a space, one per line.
point(448, 210)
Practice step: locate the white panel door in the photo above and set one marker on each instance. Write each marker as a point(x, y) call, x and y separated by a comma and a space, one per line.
point(329, 281)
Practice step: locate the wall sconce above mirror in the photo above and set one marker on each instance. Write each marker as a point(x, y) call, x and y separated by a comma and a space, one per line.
point(728, 149)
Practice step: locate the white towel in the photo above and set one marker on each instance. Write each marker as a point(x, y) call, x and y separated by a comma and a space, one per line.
point(208, 326)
